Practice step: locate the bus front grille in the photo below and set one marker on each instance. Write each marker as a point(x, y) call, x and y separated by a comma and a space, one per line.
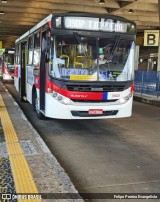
point(99, 88)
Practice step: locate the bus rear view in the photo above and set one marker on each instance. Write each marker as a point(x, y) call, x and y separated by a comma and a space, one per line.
point(8, 65)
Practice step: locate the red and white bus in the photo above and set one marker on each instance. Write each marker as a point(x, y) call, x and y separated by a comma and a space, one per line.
point(8, 64)
point(77, 66)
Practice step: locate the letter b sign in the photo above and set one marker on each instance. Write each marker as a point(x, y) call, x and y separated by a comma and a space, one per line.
point(151, 37)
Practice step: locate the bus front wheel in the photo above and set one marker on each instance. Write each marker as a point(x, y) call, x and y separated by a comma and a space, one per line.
point(36, 107)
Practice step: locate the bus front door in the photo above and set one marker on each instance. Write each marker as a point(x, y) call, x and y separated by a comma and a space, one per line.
point(42, 81)
point(22, 80)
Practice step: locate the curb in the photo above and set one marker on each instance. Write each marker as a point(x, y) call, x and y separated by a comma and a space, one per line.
point(146, 101)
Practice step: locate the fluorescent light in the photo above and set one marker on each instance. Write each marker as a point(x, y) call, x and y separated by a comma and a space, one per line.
point(4, 1)
point(101, 1)
point(130, 11)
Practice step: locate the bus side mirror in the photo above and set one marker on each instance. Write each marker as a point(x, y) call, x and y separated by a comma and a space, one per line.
point(36, 72)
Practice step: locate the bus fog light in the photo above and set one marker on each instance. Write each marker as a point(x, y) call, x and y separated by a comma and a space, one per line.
point(122, 100)
point(66, 101)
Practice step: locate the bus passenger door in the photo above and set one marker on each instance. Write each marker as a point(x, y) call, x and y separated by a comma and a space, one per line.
point(22, 80)
point(43, 71)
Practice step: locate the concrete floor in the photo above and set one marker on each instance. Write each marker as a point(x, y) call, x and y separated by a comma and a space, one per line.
point(106, 156)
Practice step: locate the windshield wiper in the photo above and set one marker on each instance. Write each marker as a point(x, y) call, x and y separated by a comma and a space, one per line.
point(80, 42)
point(109, 59)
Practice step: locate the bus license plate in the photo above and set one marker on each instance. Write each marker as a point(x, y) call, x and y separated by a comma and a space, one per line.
point(95, 111)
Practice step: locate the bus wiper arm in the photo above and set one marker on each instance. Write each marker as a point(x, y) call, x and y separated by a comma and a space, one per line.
point(80, 42)
point(114, 49)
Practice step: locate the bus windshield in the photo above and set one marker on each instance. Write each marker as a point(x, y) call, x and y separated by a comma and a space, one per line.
point(81, 58)
point(9, 60)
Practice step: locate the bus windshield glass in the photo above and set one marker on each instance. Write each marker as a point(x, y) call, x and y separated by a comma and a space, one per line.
point(81, 58)
point(9, 60)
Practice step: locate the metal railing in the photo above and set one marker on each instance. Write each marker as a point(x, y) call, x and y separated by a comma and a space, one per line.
point(147, 82)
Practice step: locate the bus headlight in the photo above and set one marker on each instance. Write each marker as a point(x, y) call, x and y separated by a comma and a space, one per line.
point(66, 101)
point(122, 100)
point(62, 99)
point(6, 77)
point(125, 99)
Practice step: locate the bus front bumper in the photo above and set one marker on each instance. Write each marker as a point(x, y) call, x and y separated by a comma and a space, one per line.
point(55, 109)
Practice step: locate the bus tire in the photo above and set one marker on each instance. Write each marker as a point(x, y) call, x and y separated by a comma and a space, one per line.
point(35, 106)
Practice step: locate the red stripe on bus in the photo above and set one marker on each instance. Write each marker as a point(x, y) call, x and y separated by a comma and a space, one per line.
point(50, 85)
point(132, 88)
point(74, 95)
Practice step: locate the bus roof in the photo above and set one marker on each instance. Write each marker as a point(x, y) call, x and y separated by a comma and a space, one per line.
point(43, 22)
point(85, 14)
point(49, 17)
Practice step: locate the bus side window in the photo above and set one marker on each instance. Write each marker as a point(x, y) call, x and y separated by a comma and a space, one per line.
point(16, 55)
point(36, 52)
point(44, 42)
point(30, 50)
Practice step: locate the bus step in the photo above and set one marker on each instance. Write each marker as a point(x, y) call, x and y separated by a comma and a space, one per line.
point(24, 98)
point(42, 111)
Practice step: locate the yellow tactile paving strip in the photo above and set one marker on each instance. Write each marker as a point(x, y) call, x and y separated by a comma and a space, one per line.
point(21, 173)
point(14, 149)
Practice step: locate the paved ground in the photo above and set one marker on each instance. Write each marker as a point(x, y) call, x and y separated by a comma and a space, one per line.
point(47, 174)
point(106, 156)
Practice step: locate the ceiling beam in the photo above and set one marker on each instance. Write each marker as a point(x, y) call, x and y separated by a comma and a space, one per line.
point(30, 10)
point(148, 1)
point(122, 4)
point(137, 12)
point(142, 18)
point(56, 6)
point(149, 23)
point(147, 7)
point(17, 20)
point(22, 14)
point(50, 3)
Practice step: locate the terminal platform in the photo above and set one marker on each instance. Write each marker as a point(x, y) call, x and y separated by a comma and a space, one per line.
point(148, 99)
point(28, 170)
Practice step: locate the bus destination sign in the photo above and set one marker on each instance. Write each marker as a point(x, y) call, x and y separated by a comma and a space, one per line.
point(97, 24)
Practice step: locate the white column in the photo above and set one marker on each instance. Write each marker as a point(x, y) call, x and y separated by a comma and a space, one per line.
point(136, 58)
point(158, 64)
